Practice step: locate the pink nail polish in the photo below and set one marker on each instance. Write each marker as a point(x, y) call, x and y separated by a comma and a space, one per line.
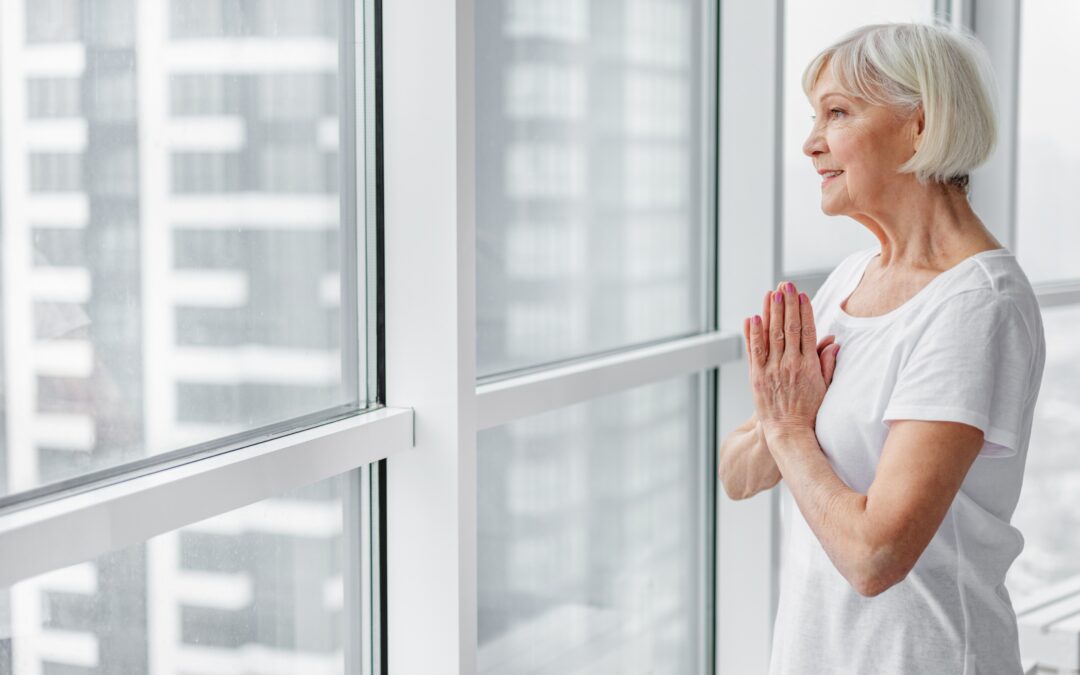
point(757, 320)
point(790, 287)
point(802, 298)
point(777, 298)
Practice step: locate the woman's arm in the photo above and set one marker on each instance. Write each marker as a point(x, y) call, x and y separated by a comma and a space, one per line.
point(875, 539)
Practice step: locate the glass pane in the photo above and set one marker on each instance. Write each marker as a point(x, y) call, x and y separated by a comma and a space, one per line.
point(812, 240)
point(1047, 201)
point(593, 176)
point(1048, 513)
point(172, 244)
point(594, 542)
point(256, 590)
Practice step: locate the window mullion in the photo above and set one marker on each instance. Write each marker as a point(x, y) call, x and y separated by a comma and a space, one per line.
point(750, 257)
point(993, 185)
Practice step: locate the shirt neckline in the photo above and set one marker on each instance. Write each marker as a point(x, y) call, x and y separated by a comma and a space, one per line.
point(843, 317)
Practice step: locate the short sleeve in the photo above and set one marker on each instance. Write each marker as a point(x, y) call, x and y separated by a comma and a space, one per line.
point(971, 363)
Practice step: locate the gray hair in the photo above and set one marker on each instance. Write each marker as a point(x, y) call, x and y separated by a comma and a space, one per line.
point(908, 65)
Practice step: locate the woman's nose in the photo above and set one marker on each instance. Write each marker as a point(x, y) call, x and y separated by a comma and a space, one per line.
point(814, 143)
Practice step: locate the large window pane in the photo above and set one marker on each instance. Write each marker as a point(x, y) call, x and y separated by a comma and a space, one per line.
point(1048, 513)
point(1048, 172)
point(175, 265)
point(593, 176)
point(594, 544)
point(812, 240)
point(257, 590)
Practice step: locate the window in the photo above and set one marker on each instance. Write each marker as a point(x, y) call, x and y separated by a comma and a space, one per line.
point(595, 244)
point(594, 178)
point(812, 240)
point(261, 588)
point(1046, 513)
point(191, 413)
point(1048, 164)
point(123, 342)
point(595, 535)
point(1048, 168)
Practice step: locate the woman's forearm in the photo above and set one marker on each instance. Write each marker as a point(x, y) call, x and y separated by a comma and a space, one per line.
point(745, 465)
point(836, 513)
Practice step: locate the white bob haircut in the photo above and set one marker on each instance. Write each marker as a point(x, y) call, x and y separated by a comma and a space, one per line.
point(910, 65)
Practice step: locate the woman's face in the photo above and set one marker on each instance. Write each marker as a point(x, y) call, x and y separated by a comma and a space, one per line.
point(866, 142)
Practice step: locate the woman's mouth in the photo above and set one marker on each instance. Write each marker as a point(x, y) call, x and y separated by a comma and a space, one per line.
point(827, 177)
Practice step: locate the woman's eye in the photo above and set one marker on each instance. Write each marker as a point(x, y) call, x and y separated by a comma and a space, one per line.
point(834, 113)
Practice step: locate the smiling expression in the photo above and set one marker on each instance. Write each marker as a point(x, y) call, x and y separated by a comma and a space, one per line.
point(863, 141)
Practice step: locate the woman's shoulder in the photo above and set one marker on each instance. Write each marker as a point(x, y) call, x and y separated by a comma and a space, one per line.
point(994, 277)
point(989, 289)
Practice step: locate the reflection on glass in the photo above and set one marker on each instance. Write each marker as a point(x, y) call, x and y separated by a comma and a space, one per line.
point(812, 240)
point(169, 214)
point(593, 537)
point(256, 590)
point(1048, 171)
point(1048, 513)
point(592, 171)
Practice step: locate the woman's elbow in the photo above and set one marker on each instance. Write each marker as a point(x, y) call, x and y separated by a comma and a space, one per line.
point(874, 585)
point(878, 573)
point(738, 485)
point(737, 494)
point(734, 490)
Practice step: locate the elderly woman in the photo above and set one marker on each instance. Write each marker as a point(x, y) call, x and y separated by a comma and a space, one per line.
point(905, 454)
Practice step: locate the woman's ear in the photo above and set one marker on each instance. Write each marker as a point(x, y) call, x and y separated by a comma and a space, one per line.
point(918, 120)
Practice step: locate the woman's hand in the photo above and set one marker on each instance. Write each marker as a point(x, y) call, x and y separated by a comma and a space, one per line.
point(789, 372)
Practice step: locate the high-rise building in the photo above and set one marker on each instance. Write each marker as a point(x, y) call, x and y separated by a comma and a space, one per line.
point(170, 222)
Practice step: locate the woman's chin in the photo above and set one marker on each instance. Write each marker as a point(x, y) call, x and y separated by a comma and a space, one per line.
point(830, 209)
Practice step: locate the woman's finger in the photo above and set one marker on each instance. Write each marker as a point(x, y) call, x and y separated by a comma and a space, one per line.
point(776, 328)
point(792, 322)
point(825, 342)
point(758, 353)
point(809, 329)
point(828, 363)
point(746, 334)
point(766, 309)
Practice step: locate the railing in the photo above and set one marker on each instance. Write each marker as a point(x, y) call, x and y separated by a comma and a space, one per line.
point(1049, 624)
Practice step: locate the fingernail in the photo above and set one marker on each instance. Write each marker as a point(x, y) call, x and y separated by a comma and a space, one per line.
point(777, 298)
point(790, 287)
point(802, 298)
point(757, 320)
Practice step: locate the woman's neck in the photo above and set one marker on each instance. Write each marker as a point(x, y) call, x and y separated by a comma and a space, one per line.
point(927, 227)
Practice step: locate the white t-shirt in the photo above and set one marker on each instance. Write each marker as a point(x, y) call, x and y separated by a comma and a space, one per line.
point(968, 347)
